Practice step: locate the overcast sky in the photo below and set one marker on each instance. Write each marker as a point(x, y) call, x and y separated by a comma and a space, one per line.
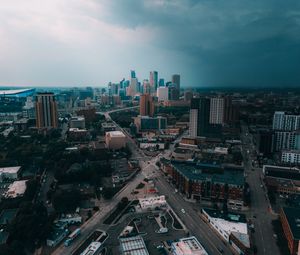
point(209, 42)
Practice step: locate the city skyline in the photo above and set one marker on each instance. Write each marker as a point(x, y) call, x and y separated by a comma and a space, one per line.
point(210, 44)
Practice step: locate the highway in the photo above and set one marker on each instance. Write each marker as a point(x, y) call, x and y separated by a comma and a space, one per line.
point(259, 211)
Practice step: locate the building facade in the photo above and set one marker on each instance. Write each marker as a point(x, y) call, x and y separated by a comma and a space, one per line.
point(147, 106)
point(46, 111)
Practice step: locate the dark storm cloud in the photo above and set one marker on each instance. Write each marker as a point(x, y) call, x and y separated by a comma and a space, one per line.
point(210, 42)
point(228, 42)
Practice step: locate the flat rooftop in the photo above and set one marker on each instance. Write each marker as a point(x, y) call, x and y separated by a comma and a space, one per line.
point(10, 170)
point(133, 246)
point(215, 173)
point(115, 134)
point(16, 189)
point(188, 246)
point(8, 92)
point(293, 217)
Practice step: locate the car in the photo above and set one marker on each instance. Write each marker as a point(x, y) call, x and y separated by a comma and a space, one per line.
point(182, 210)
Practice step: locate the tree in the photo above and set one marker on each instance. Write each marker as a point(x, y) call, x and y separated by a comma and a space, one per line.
point(66, 201)
point(31, 225)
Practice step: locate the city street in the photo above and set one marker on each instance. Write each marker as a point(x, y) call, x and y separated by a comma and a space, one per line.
point(259, 212)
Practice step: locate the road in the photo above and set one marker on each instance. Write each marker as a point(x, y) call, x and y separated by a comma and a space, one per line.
point(259, 212)
point(191, 218)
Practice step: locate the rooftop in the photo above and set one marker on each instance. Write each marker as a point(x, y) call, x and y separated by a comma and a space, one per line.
point(293, 217)
point(10, 170)
point(14, 91)
point(16, 189)
point(115, 134)
point(188, 246)
point(133, 246)
point(215, 173)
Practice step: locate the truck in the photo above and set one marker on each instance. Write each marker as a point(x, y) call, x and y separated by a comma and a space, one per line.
point(72, 237)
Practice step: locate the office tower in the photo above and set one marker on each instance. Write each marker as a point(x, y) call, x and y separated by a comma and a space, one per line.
point(146, 105)
point(146, 87)
point(46, 111)
point(161, 82)
point(176, 80)
point(163, 93)
point(188, 95)
point(286, 122)
point(173, 92)
point(134, 86)
point(199, 117)
point(216, 113)
point(153, 81)
point(113, 88)
point(132, 74)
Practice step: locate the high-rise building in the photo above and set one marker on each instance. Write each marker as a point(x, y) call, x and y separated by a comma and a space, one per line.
point(199, 117)
point(132, 74)
point(188, 95)
point(134, 86)
point(216, 113)
point(161, 82)
point(146, 87)
point(231, 112)
point(176, 80)
point(46, 111)
point(153, 81)
point(147, 107)
point(163, 93)
point(173, 92)
point(286, 122)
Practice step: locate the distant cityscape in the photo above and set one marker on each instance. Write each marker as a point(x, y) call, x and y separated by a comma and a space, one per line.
point(149, 167)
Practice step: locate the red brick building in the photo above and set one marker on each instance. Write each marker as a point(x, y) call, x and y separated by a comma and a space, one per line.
point(290, 221)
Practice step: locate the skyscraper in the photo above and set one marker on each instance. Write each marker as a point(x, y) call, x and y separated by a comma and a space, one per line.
point(132, 74)
point(161, 82)
point(176, 80)
point(216, 113)
point(46, 111)
point(163, 93)
point(199, 117)
point(153, 81)
point(146, 105)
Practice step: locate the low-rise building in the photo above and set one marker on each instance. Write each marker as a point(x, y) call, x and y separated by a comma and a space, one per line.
point(133, 245)
point(188, 246)
point(70, 219)
point(201, 181)
point(290, 221)
point(77, 122)
point(9, 173)
point(16, 189)
point(77, 134)
point(146, 123)
point(232, 227)
point(58, 233)
point(115, 140)
point(152, 202)
point(108, 126)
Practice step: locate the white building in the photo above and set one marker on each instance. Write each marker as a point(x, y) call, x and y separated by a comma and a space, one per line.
point(115, 140)
point(9, 173)
point(163, 93)
point(77, 122)
point(188, 246)
point(193, 128)
point(286, 122)
point(292, 157)
point(287, 140)
point(16, 189)
point(216, 112)
point(152, 202)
